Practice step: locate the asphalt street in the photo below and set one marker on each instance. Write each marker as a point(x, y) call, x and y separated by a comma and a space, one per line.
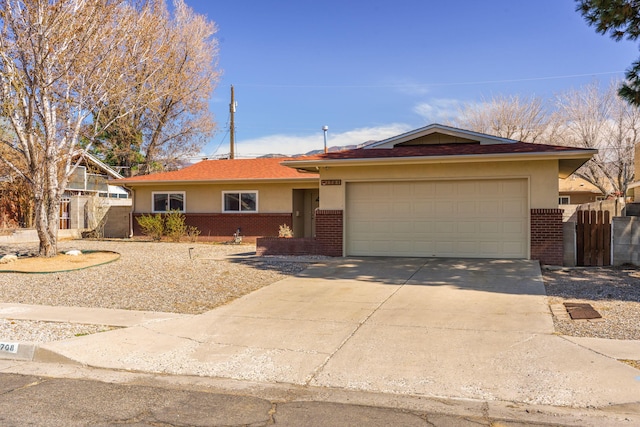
point(27, 400)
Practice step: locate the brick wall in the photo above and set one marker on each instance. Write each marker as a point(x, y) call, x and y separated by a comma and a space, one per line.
point(329, 229)
point(219, 226)
point(287, 246)
point(547, 236)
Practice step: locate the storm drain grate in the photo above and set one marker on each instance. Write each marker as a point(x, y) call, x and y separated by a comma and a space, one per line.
point(581, 311)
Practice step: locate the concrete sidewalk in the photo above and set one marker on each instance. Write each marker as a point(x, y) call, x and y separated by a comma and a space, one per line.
point(462, 329)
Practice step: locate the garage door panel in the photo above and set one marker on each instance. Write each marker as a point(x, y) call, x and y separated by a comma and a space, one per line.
point(445, 190)
point(424, 190)
point(467, 227)
point(514, 227)
point(421, 208)
point(444, 207)
point(484, 218)
point(515, 207)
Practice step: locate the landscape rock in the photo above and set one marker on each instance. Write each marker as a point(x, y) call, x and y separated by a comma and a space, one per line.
point(8, 258)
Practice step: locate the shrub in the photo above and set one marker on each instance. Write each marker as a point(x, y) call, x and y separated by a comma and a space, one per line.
point(152, 226)
point(174, 226)
point(285, 231)
point(192, 233)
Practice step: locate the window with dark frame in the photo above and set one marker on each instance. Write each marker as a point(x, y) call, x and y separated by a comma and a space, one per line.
point(168, 201)
point(240, 201)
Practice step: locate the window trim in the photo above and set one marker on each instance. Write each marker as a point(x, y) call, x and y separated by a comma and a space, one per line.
point(564, 197)
point(240, 192)
point(184, 200)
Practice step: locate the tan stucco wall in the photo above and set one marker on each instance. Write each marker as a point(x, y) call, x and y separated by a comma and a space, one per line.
point(207, 198)
point(542, 176)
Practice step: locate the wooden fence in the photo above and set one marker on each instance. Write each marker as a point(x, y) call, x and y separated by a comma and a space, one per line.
point(593, 238)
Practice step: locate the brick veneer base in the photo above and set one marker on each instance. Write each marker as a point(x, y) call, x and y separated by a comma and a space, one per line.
point(218, 227)
point(287, 246)
point(546, 236)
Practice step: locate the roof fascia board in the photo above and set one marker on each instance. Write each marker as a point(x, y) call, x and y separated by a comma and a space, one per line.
point(217, 181)
point(475, 158)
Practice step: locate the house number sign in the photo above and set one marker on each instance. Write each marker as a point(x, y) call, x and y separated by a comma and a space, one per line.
point(331, 182)
point(8, 347)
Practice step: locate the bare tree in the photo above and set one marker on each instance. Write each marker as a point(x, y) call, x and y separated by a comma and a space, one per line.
point(586, 117)
point(175, 89)
point(593, 118)
point(510, 117)
point(60, 62)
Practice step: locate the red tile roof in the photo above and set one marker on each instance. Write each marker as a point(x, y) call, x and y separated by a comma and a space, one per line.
point(226, 170)
point(435, 150)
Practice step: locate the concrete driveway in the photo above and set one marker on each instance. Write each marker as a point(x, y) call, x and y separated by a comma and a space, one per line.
point(468, 329)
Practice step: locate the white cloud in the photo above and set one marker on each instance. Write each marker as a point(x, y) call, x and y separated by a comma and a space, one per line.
point(299, 144)
point(441, 110)
point(409, 87)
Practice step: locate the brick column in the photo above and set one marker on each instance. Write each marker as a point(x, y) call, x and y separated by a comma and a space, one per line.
point(329, 228)
point(546, 236)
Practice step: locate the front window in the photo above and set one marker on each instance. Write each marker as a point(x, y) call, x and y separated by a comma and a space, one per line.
point(240, 201)
point(168, 201)
point(564, 200)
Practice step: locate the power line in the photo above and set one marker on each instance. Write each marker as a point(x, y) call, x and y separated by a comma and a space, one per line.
point(410, 85)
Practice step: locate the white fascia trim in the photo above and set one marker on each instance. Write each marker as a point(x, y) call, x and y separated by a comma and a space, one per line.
point(441, 159)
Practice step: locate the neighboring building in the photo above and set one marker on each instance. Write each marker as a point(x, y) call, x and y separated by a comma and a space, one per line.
point(77, 210)
point(108, 215)
point(92, 178)
point(576, 191)
point(436, 191)
point(633, 191)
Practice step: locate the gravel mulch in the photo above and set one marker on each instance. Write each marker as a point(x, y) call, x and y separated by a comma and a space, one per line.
point(188, 278)
point(614, 292)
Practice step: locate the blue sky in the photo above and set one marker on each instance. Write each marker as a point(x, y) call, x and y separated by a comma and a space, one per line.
point(370, 70)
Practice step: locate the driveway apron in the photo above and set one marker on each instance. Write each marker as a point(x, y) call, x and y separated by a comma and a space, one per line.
point(469, 329)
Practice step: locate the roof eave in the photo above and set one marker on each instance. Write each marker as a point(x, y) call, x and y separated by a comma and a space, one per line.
point(214, 181)
point(568, 160)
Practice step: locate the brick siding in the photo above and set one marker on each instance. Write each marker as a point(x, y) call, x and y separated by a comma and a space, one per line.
point(287, 246)
point(329, 230)
point(219, 226)
point(546, 236)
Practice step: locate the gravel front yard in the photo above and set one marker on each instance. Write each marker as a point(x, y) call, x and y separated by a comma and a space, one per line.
point(171, 277)
point(188, 278)
point(614, 292)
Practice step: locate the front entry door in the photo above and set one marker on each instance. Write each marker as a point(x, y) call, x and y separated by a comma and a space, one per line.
point(305, 203)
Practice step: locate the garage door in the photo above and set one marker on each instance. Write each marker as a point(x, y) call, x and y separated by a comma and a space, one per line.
point(475, 219)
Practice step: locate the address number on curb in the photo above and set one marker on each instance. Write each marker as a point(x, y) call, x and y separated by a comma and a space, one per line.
point(8, 347)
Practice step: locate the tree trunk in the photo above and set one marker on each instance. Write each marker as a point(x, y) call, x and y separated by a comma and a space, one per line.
point(47, 231)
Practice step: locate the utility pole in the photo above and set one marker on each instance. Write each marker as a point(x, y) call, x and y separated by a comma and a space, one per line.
point(232, 126)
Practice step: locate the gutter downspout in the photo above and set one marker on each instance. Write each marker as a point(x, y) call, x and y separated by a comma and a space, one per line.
point(133, 206)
